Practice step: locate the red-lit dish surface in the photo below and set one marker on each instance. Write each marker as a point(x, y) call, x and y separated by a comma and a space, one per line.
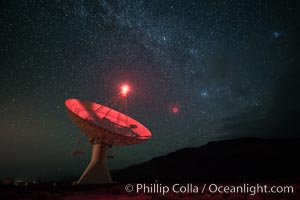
point(106, 125)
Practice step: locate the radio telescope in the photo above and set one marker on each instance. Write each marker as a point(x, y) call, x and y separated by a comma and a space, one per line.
point(104, 127)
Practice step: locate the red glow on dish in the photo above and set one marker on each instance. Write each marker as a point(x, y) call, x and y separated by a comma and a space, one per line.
point(124, 90)
point(85, 116)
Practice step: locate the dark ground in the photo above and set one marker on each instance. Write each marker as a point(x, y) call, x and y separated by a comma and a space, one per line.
point(117, 191)
point(228, 162)
point(239, 159)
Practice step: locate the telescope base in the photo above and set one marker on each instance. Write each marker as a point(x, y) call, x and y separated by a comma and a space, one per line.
point(96, 172)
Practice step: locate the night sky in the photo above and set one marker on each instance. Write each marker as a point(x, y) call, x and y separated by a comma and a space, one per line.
point(198, 71)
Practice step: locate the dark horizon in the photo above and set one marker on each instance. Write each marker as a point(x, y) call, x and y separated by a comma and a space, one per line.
point(284, 153)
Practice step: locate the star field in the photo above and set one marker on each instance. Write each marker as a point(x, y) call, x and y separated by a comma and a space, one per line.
point(228, 67)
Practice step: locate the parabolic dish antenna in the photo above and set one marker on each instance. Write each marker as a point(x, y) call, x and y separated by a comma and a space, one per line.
point(104, 127)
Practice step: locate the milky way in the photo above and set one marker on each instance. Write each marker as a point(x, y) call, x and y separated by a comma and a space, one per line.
point(228, 67)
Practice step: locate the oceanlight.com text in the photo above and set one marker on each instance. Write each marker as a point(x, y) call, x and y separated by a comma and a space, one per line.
point(158, 188)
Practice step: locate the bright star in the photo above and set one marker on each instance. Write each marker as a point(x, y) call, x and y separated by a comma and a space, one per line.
point(204, 94)
point(276, 34)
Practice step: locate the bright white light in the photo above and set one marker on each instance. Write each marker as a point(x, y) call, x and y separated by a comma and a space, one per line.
point(124, 89)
